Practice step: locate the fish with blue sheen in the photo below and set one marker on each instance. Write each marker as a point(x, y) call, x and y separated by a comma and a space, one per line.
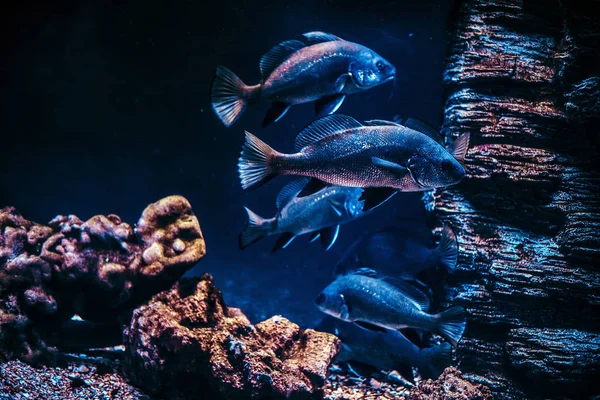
point(300, 211)
point(387, 351)
point(399, 252)
point(387, 303)
point(339, 150)
point(321, 67)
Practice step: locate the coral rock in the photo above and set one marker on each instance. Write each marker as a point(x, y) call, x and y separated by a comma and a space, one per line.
point(186, 343)
point(100, 270)
point(451, 385)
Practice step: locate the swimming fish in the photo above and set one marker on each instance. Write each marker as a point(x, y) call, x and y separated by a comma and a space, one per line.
point(387, 351)
point(320, 213)
point(399, 252)
point(339, 150)
point(387, 303)
point(322, 68)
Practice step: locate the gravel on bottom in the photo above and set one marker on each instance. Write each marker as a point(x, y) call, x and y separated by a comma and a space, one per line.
point(77, 379)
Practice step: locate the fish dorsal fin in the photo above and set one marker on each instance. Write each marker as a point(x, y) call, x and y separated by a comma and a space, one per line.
point(277, 55)
point(323, 127)
point(460, 146)
point(380, 122)
point(290, 191)
point(320, 37)
point(420, 126)
point(312, 187)
point(410, 291)
point(371, 273)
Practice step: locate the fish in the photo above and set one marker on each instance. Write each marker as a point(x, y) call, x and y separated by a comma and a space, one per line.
point(387, 303)
point(400, 253)
point(338, 150)
point(321, 68)
point(320, 213)
point(387, 351)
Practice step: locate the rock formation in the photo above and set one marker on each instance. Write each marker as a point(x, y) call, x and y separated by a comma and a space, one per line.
point(99, 270)
point(186, 343)
point(522, 78)
point(451, 385)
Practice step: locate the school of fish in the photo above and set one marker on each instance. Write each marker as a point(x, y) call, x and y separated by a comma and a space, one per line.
point(343, 169)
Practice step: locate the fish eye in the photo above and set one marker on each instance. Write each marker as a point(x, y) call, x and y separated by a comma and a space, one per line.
point(380, 66)
point(320, 299)
point(447, 165)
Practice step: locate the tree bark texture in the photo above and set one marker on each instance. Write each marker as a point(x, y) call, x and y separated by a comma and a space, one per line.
point(523, 78)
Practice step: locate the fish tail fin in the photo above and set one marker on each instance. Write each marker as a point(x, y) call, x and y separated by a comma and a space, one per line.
point(255, 164)
point(448, 249)
point(256, 228)
point(229, 95)
point(451, 324)
point(435, 360)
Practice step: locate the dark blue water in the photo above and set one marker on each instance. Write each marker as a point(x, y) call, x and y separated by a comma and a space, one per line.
point(105, 109)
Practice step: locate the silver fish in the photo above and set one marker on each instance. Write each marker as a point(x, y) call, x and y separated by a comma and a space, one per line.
point(399, 252)
point(322, 68)
point(339, 150)
point(377, 303)
point(387, 351)
point(320, 213)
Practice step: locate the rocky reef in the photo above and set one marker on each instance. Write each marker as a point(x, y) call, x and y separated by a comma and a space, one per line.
point(522, 79)
point(163, 335)
point(99, 270)
point(187, 344)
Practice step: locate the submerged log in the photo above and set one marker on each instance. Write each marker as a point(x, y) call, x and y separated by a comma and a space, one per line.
point(522, 78)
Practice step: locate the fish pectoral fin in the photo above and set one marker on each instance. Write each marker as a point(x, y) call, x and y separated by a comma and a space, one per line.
point(370, 327)
point(329, 236)
point(409, 290)
point(275, 113)
point(283, 241)
point(337, 207)
point(328, 105)
point(314, 236)
point(340, 83)
point(375, 196)
point(346, 348)
point(277, 55)
point(344, 312)
point(390, 166)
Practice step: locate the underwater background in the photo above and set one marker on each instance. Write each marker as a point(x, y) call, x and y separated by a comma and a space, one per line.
point(106, 108)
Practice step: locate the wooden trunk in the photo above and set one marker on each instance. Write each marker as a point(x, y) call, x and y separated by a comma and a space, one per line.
point(523, 77)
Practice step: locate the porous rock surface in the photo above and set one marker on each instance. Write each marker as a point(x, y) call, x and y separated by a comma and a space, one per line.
point(186, 343)
point(450, 385)
point(522, 77)
point(99, 269)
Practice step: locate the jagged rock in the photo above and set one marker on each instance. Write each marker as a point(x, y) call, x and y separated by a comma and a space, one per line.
point(100, 270)
point(561, 357)
point(186, 343)
point(451, 385)
point(522, 79)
